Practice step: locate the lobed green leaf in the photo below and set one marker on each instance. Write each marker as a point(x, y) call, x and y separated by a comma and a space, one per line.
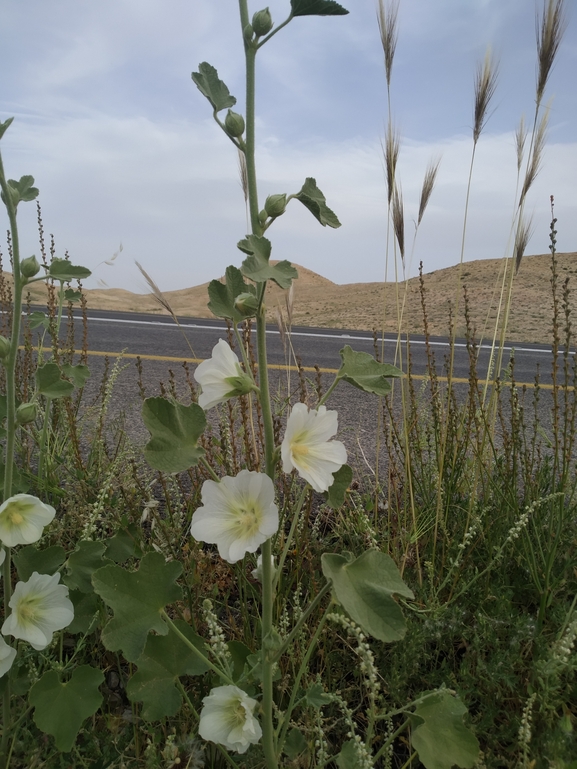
point(222, 296)
point(317, 8)
point(137, 600)
point(164, 660)
point(175, 430)
point(63, 271)
point(47, 561)
point(313, 199)
point(61, 708)
point(439, 735)
point(363, 371)
point(257, 267)
point(50, 383)
point(364, 587)
point(210, 85)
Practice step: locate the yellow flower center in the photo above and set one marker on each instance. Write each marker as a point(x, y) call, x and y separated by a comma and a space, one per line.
point(299, 449)
point(15, 517)
point(248, 518)
point(28, 609)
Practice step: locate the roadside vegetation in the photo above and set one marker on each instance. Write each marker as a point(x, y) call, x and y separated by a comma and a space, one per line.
point(237, 592)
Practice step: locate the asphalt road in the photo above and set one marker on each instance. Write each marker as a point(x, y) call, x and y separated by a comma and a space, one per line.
point(159, 338)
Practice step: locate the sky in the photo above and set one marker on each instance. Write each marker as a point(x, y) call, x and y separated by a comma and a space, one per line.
point(124, 149)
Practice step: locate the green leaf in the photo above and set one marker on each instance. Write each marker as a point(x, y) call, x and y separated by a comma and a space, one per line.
point(316, 697)
point(47, 561)
point(364, 587)
point(82, 563)
point(137, 599)
point(72, 296)
point(257, 267)
point(63, 271)
point(363, 371)
point(79, 373)
point(223, 295)
point(317, 8)
point(50, 383)
point(295, 744)
point(440, 737)
point(124, 544)
point(239, 654)
point(61, 708)
point(86, 612)
point(164, 660)
point(22, 190)
point(209, 84)
point(336, 494)
point(175, 430)
point(5, 125)
point(313, 199)
point(348, 758)
point(37, 319)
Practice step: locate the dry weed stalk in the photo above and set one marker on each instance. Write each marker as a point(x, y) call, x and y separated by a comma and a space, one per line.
point(387, 16)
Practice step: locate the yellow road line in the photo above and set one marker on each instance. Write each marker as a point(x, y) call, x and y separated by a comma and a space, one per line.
point(280, 367)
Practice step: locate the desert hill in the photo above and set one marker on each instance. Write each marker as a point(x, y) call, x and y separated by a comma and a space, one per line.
point(317, 301)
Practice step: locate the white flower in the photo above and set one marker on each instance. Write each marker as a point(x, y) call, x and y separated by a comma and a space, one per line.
point(23, 518)
point(238, 514)
point(227, 719)
point(257, 573)
point(39, 608)
point(221, 377)
point(7, 656)
point(306, 447)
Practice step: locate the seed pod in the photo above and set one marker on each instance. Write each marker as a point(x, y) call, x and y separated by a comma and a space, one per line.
point(262, 22)
point(246, 304)
point(26, 413)
point(275, 205)
point(29, 267)
point(4, 347)
point(234, 124)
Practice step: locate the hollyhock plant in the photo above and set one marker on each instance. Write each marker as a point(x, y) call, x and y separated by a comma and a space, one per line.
point(307, 449)
point(23, 518)
point(7, 657)
point(40, 607)
point(221, 377)
point(227, 719)
point(238, 514)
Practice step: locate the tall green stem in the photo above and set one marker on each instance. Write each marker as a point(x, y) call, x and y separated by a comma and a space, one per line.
point(10, 365)
point(268, 738)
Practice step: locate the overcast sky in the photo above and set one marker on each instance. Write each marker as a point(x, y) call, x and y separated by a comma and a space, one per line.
point(124, 149)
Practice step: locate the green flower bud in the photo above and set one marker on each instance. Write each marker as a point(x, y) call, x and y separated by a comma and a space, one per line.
point(262, 22)
point(234, 124)
point(246, 304)
point(4, 347)
point(275, 205)
point(248, 33)
point(25, 413)
point(29, 267)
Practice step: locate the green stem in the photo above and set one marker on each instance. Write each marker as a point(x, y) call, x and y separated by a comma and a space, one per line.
point(391, 739)
point(220, 673)
point(301, 672)
point(273, 33)
point(296, 515)
point(10, 365)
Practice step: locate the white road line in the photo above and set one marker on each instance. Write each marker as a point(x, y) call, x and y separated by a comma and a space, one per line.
point(315, 335)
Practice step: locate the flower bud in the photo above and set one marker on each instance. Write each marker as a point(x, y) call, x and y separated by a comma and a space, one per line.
point(25, 413)
point(246, 304)
point(262, 22)
point(29, 267)
point(4, 347)
point(275, 205)
point(262, 216)
point(234, 124)
point(248, 33)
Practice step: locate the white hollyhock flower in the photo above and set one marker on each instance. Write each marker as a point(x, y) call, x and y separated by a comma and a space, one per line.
point(257, 573)
point(221, 377)
point(23, 518)
point(7, 657)
point(39, 608)
point(306, 447)
point(238, 514)
point(227, 719)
